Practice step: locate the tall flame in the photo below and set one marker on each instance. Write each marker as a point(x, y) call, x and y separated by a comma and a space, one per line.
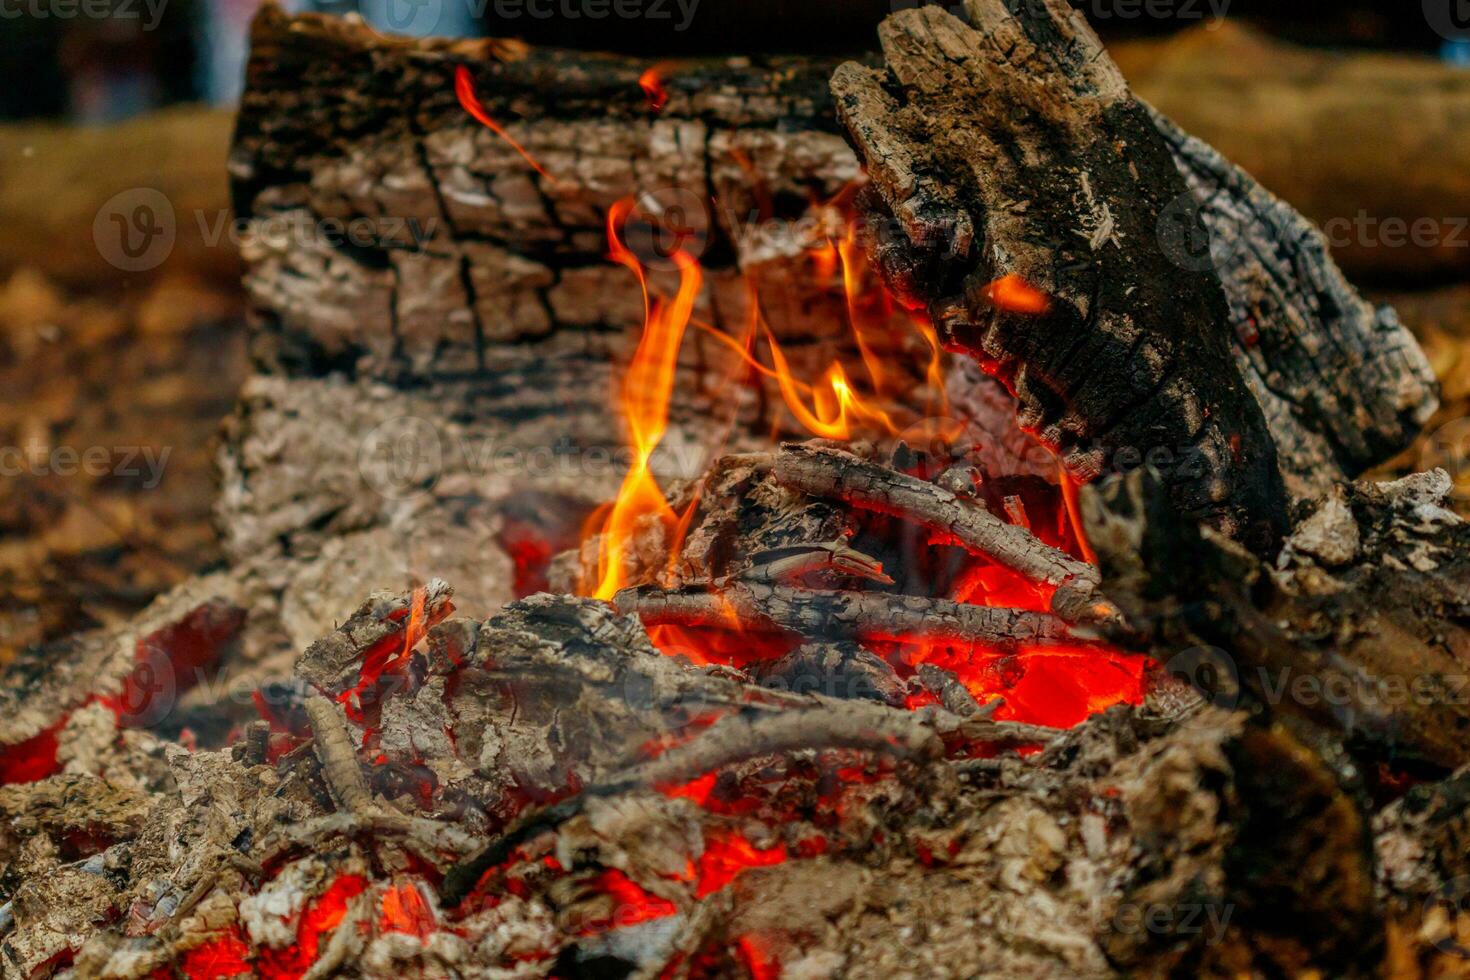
point(644, 398)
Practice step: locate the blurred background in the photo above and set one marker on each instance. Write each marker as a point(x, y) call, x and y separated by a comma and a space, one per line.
point(1344, 107)
point(106, 60)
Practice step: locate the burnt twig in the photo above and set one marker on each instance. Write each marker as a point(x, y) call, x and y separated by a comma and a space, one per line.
point(825, 472)
point(843, 615)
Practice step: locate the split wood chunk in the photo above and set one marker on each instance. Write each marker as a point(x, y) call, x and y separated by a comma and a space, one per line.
point(1359, 628)
point(821, 614)
point(1018, 193)
point(1344, 385)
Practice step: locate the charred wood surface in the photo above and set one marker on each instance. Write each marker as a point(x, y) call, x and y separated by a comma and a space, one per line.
point(1009, 156)
point(1127, 350)
point(1358, 627)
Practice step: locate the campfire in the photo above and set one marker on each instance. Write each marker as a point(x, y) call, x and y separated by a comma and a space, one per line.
point(929, 506)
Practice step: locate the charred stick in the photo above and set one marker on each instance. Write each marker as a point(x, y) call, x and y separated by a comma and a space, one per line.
point(334, 750)
point(426, 834)
point(953, 694)
point(842, 615)
point(824, 472)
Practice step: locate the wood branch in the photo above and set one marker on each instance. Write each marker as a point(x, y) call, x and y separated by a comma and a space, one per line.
point(1123, 350)
point(837, 475)
point(951, 692)
point(822, 614)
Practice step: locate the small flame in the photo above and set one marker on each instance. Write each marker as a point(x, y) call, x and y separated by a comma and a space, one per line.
point(464, 87)
point(1016, 295)
point(652, 83)
point(415, 629)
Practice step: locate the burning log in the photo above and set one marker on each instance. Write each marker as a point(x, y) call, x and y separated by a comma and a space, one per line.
point(1059, 273)
point(814, 613)
point(1050, 270)
point(838, 475)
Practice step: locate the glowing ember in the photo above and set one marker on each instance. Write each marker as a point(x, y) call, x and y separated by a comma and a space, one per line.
point(464, 88)
point(33, 759)
point(226, 956)
point(319, 920)
point(404, 909)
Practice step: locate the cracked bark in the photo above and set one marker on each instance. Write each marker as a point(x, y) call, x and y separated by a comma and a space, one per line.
point(1010, 146)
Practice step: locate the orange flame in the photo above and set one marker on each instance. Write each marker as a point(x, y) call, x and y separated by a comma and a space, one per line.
point(464, 88)
point(834, 406)
point(644, 402)
point(1016, 295)
point(652, 83)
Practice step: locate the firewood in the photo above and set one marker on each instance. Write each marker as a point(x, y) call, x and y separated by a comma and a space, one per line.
point(1011, 157)
point(338, 756)
point(843, 614)
point(1359, 627)
point(1112, 326)
point(839, 475)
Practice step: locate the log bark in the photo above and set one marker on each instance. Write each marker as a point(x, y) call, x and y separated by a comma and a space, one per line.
point(1358, 628)
point(1013, 151)
point(945, 177)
